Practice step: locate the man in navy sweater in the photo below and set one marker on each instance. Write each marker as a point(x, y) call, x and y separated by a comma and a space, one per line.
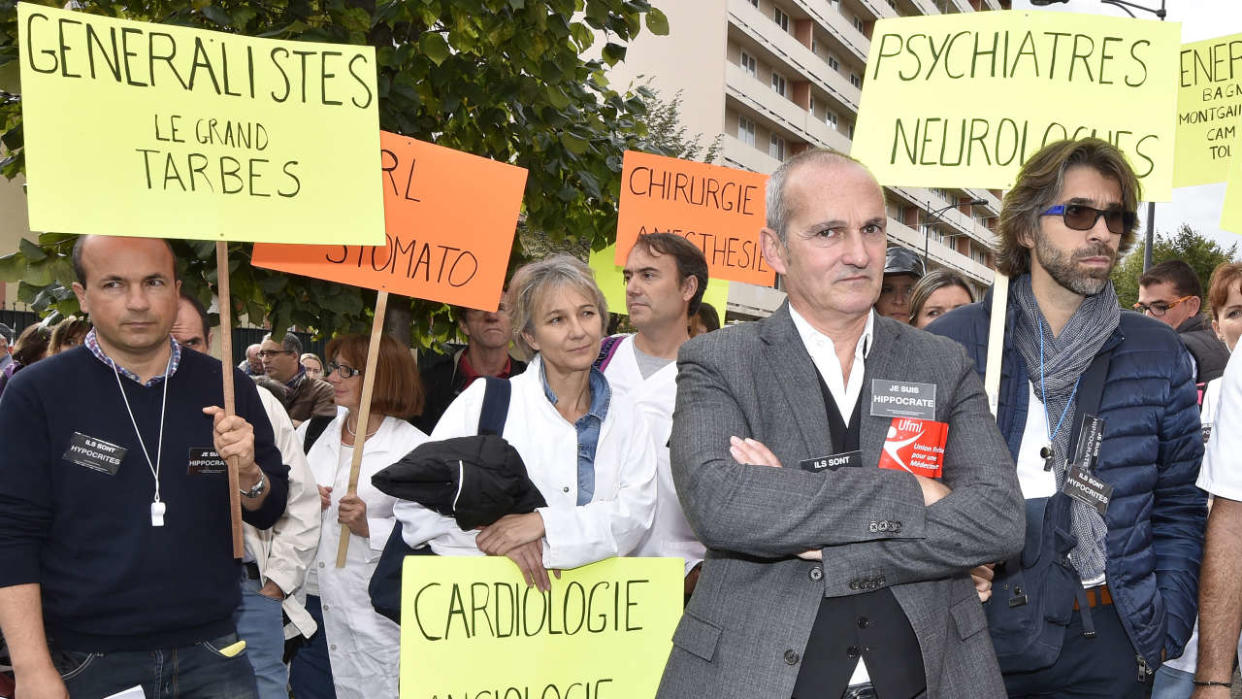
point(114, 520)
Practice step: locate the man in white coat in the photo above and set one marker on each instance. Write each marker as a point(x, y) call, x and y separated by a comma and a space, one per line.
point(276, 559)
point(665, 277)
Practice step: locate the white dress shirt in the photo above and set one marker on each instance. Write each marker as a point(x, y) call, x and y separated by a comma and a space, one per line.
point(823, 353)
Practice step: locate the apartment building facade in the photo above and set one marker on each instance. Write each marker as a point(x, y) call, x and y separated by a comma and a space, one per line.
point(775, 77)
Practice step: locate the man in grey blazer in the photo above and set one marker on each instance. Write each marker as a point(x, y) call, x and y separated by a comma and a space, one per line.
point(818, 558)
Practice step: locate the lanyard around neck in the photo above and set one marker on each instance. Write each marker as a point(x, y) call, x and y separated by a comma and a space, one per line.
point(1048, 429)
point(154, 466)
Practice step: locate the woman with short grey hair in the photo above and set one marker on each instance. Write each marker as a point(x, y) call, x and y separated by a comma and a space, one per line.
point(532, 281)
point(585, 448)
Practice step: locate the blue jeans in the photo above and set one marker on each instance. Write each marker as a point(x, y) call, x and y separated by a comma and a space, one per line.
point(310, 670)
point(261, 624)
point(198, 671)
point(1172, 683)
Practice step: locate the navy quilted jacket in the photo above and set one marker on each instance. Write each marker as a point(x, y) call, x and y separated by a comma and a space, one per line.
point(1150, 455)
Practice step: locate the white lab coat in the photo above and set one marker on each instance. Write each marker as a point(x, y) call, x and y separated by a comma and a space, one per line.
point(364, 647)
point(285, 551)
point(610, 525)
point(655, 397)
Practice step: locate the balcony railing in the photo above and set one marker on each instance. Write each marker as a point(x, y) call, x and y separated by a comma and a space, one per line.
point(833, 22)
point(788, 50)
point(760, 97)
point(737, 154)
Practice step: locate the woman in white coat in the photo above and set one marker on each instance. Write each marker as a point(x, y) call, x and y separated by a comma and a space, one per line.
point(586, 449)
point(362, 645)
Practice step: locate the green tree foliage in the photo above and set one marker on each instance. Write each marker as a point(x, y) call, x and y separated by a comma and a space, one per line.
point(505, 79)
point(669, 135)
point(1202, 254)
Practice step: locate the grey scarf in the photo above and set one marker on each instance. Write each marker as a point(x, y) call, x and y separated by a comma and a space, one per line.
point(1065, 358)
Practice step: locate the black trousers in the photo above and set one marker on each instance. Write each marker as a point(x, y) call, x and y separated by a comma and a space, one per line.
point(1105, 666)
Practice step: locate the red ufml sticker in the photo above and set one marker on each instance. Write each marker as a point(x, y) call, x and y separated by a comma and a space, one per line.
point(915, 446)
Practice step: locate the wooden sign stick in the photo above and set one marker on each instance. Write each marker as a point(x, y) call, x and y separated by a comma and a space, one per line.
point(364, 411)
point(226, 364)
point(996, 341)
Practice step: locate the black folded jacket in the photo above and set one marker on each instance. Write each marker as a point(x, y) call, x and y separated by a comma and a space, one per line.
point(476, 480)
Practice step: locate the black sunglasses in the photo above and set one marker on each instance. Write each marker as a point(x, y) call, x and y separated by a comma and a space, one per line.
point(347, 372)
point(1081, 217)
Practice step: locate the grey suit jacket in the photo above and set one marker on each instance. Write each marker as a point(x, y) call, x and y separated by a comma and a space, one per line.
point(747, 624)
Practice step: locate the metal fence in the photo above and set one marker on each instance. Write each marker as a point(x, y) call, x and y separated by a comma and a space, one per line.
point(17, 316)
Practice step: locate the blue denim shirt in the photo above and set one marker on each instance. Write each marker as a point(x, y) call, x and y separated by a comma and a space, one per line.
point(588, 427)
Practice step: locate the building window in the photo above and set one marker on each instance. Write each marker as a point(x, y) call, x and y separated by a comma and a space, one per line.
point(858, 24)
point(778, 83)
point(851, 132)
point(746, 130)
point(756, 2)
point(831, 118)
point(833, 63)
point(855, 80)
point(781, 19)
point(776, 147)
point(811, 107)
point(979, 256)
point(748, 63)
point(835, 4)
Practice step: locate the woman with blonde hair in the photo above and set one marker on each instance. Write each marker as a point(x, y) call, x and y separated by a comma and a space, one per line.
point(585, 448)
point(937, 293)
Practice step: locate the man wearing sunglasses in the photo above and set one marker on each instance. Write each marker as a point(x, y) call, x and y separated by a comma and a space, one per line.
point(1099, 410)
point(1171, 293)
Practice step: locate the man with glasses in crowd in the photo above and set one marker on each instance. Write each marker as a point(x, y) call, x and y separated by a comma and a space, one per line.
point(1075, 366)
point(1171, 293)
point(307, 396)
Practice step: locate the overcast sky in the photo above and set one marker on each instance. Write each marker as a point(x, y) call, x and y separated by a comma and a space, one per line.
point(1201, 19)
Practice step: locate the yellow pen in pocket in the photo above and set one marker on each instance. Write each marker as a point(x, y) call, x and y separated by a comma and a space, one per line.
point(232, 650)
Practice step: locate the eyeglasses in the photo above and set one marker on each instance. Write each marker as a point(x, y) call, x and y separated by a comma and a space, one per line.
point(1081, 217)
point(346, 372)
point(1157, 309)
point(268, 354)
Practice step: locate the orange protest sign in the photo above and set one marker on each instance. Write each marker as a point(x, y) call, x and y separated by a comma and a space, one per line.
point(449, 218)
point(719, 209)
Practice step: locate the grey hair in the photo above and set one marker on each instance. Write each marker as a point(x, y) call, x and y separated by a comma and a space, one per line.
point(291, 343)
point(532, 282)
point(778, 209)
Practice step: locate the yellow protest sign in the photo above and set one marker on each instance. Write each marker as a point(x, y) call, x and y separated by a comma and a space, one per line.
point(611, 280)
point(143, 129)
point(1231, 210)
point(470, 627)
point(963, 100)
point(1209, 109)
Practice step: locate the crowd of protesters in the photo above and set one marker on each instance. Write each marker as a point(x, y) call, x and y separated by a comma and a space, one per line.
point(1023, 564)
